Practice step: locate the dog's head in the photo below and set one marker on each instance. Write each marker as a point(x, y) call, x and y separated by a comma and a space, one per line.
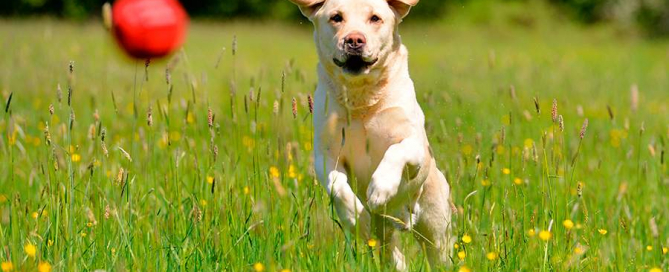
point(354, 36)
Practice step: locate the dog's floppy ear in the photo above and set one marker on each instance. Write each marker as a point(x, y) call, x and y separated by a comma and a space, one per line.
point(402, 7)
point(308, 7)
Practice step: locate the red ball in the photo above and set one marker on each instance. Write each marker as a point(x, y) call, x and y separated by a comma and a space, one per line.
point(149, 28)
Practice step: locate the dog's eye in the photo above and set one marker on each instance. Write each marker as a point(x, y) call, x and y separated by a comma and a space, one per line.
point(375, 19)
point(336, 18)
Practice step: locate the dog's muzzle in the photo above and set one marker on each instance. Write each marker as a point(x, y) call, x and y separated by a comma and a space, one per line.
point(354, 63)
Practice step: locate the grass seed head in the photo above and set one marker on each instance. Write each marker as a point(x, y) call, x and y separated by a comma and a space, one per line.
point(47, 135)
point(311, 104)
point(294, 104)
point(59, 94)
point(584, 128)
point(210, 118)
point(561, 122)
point(536, 106)
point(149, 116)
point(634, 97)
point(554, 111)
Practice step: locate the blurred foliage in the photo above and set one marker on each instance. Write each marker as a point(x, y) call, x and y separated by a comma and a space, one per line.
point(651, 15)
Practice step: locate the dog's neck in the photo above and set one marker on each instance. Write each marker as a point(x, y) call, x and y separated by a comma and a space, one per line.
point(360, 93)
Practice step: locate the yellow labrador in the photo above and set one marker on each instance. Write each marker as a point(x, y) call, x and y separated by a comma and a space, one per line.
point(371, 150)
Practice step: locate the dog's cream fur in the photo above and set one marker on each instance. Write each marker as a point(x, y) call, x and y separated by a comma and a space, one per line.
point(371, 150)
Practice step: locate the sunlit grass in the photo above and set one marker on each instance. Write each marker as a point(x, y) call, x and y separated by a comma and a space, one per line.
point(203, 163)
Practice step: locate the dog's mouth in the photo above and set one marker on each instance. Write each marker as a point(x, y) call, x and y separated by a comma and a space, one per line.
point(354, 64)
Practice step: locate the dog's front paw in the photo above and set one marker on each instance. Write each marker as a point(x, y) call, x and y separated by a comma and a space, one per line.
point(382, 188)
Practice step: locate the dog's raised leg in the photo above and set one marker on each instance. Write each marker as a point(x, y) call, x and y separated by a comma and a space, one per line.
point(387, 183)
point(349, 208)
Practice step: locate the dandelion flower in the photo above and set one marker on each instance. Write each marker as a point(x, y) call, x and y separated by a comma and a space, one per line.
point(530, 232)
point(649, 248)
point(30, 250)
point(462, 255)
point(274, 172)
point(506, 171)
point(545, 235)
point(246, 190)
point(210, 179)
point(7, 266)
point(464, 269)
point(456, 246)
point(44, 267)
point(568, 224)
point(665, 250)
point(655, 269)
point(291, 171)
point(602, 231)
point(492, 256)
point(371, 243)
point(76, 157)
point(466, 239)
point(285, 270)
point(258, 267)
point(485, 183)
point(517, 181)
point(578, 250)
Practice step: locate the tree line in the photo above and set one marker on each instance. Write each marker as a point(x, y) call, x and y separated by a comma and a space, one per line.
point(650, 15)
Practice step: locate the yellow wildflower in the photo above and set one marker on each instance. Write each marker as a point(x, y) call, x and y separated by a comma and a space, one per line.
point(464, 269)
point(3, 199)
point(528, 143)
point(485, 183)
point(517, 181)
point(506, 171)
point(44, 267)
point(492, 256)
point(578, 250)
point(34, 215)
point(210, 179)
point(258, 267)
point(568, 224)
point(83, 235)
point(371, 243)
point(203, 202)
point(530, 232)
point(655, 269)
point(665, 250)
point(467, 149)
point(7, 266)
point(649, 248)
point(545, 235)
point(291, 171)
point(285, 270)
point(274, 172)
point(30, 250)
point(456, 246)
point(462, 255)
point(466, 239)
point(602, 231)
point(76, 157)
point(246, 190)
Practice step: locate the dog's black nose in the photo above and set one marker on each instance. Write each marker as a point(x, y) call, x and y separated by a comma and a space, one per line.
point(355, 41)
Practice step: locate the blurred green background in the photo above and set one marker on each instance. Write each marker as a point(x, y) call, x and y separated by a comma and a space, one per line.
point(647, 17)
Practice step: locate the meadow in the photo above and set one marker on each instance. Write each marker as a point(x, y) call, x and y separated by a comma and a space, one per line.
point(553, 138)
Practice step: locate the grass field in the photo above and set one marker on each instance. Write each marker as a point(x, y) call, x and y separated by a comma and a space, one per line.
point(130, 172)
